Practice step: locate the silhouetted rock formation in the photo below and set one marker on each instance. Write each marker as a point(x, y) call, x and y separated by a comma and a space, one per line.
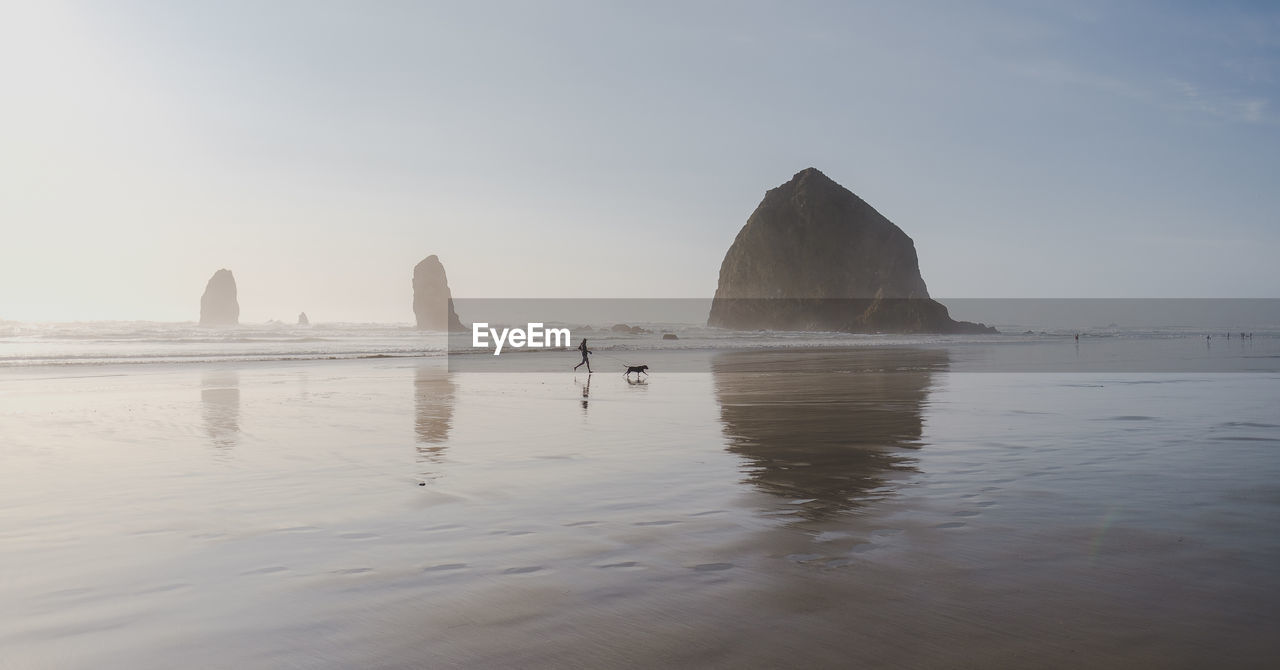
point(303, 320)
point(814, 256)
point(218, 306)
point(432, 302)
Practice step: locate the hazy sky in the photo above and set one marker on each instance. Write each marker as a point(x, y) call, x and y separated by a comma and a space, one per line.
point(555, 149)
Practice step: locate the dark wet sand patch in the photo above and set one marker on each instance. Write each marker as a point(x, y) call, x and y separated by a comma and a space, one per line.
point(444, 566)
point(1247, 424)
point(442, 527)
point(265, 571)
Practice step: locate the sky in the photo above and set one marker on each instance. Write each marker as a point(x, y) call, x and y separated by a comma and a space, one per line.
point(596, 149)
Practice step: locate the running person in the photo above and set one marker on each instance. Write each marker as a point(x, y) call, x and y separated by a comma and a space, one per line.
point(583, 348)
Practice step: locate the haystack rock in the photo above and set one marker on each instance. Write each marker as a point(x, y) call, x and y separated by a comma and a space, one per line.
point(814, 256)
point(218, 306)
point(432, 302)
point(303, 320)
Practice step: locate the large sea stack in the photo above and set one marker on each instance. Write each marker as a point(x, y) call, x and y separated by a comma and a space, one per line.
point(432, 302)
point(218, 306)
point(814, 256)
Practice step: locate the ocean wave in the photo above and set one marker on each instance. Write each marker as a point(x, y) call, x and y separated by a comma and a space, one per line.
point(212, 358)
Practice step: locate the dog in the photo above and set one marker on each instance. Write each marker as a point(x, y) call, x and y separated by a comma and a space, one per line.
point(636, 369)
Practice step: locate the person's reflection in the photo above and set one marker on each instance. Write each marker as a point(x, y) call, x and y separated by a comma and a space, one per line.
point(220, 405)
point(586, 393)
point(825, 428)
point(433, 396)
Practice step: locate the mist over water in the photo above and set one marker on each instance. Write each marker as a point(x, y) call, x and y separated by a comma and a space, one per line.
point(101, 343)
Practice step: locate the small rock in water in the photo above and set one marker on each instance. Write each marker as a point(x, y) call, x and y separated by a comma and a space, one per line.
point(422, 483)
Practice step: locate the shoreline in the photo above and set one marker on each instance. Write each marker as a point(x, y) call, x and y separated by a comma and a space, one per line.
point(1136, 353)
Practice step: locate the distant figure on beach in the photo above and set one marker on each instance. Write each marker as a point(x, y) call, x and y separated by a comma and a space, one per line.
point(1077, 337)
point(585, 351)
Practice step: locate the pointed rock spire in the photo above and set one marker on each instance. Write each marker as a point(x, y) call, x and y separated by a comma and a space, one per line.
point(432, 301)
point(814, 256)
point(218, 304)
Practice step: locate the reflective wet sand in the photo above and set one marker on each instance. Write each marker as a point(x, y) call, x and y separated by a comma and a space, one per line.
point(832, 509)
point(826, 431)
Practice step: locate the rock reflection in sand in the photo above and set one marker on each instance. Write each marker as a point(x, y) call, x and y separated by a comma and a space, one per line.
point(220, 406)
point(825, 429)
point(433, 398)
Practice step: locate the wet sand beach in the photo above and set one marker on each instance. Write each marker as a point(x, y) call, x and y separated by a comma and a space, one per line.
point(777, 509)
